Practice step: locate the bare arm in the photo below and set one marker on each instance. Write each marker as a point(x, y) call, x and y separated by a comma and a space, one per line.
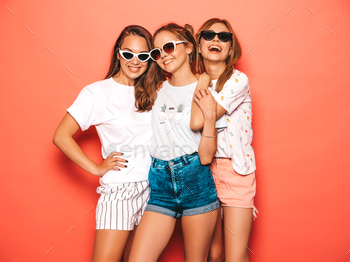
point(208, 144)
point(197, 117)
point(63, 139)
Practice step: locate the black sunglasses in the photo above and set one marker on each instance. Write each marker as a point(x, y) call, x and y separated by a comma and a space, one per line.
point(223, 36)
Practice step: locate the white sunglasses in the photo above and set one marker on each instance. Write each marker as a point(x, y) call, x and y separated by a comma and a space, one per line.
point(168, 47)
point(128, 56)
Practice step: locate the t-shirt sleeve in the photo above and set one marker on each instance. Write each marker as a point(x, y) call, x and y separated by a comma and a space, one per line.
point(233, 93)
point(85, 107)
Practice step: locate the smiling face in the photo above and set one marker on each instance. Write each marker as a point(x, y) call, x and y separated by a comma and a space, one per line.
point(171, 63)
point(215, 50)
point(130, 70)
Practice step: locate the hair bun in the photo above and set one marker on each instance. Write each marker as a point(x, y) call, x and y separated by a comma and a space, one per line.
point(189, 28)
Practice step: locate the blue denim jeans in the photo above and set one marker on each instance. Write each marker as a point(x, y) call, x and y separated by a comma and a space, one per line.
point(181, 187)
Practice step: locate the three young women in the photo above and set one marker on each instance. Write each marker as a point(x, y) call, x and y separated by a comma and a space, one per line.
point(181, 184)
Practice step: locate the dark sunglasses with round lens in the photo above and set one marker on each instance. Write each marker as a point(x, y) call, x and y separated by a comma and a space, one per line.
point(128, 56)
point(210, 35)
point(168, 47)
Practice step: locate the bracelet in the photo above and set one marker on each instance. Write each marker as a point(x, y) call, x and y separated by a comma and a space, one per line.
point(209, 136)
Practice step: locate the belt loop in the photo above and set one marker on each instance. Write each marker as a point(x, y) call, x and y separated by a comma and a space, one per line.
point(185, 159)
point(152, 162)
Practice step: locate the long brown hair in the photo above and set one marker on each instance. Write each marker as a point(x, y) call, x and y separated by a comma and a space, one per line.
point(146, 85)
point(236, 52)
point(184, 34)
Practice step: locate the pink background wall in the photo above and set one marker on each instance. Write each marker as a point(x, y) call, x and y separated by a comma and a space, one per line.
point(296, 54)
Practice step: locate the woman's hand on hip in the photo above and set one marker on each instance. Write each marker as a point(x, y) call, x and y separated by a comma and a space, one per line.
point(112, 162)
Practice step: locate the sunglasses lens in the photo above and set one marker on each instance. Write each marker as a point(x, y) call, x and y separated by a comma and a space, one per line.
point(208, 35)
point(143, 57)
point(224, 37)
point(127, 56)
point(155, 54)
point(169, 48)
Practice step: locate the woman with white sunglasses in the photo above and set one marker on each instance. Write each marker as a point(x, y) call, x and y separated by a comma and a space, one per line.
point(233, 167)
point(180, 179)
point(120, 109)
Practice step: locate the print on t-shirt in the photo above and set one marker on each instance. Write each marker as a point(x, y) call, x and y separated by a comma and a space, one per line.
point(177, 116)
point(162, 114)
point(171, 113)
point(179, 113)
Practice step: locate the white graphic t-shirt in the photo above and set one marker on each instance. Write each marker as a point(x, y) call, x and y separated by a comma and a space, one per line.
point(171, 115)
point(235, 141)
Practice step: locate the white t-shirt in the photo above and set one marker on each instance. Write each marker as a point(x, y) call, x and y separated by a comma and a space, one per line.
point(235, 141)
point(110, 107)
point(171, 115)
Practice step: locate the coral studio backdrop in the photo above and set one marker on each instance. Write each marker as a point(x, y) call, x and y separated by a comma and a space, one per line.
point(296, 54)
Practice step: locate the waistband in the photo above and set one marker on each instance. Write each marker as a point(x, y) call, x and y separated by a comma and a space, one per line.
point(182, 159)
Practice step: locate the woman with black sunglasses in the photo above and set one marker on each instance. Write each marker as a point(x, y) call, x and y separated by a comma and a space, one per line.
point(233, 167)
point(120, 109)
point(180, 179)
